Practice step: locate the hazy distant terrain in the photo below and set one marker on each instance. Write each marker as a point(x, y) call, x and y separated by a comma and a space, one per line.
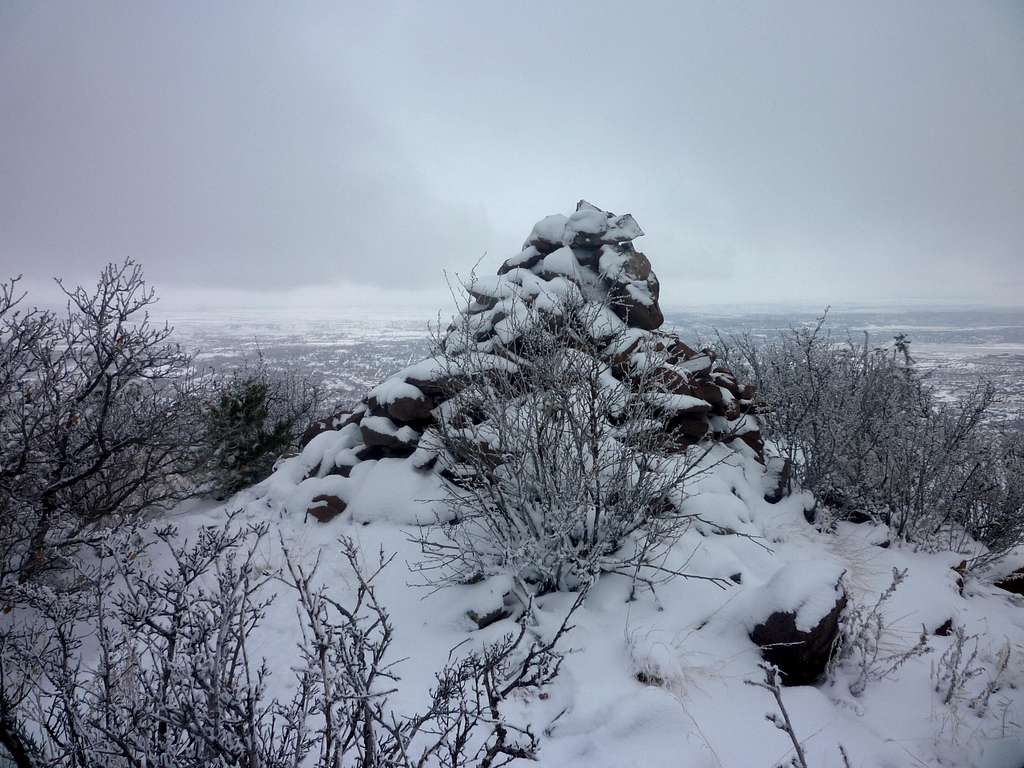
point(958, 347)
point(350, 350)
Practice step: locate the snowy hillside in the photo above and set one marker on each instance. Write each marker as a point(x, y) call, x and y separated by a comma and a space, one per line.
point(926, 671)
point(660, 681)
point(560, 538)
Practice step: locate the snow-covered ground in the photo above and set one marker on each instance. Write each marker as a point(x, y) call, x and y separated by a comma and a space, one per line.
point(660, 680)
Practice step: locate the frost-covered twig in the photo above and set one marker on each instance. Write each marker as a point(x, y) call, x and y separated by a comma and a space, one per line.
point(1002, 661)
point(779, 719)
point(962, 662)
point(176, 682)
point(957, 665)
point(862, 640)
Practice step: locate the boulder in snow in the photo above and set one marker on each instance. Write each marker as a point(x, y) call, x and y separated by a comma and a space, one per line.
point(637, 306)
point(546, 235)
point(586, 228)
point(528, 259)
point(1014, 582)
point(382, 432)
point(780, 477)
point(326, 507)
point(409, 404)
point(585, 257)
point(689, 425)
point(797, 623)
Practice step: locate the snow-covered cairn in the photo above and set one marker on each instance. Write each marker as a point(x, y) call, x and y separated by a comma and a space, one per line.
point(586, 259)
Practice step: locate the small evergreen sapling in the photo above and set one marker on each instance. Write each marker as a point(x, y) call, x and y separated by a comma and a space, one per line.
point(255, 417)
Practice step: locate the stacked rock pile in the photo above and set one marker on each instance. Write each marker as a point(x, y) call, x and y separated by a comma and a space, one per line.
point(589, 254)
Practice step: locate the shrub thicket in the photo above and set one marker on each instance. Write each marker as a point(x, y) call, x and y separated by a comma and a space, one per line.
point(556, 469)
point(157, 666)
point(867, 433)
point(98, 416)
point(103, 417)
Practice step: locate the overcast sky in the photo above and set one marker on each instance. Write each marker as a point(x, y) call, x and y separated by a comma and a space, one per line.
point(773, 152)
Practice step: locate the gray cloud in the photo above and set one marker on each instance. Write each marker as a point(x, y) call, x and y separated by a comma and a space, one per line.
point(827, 151)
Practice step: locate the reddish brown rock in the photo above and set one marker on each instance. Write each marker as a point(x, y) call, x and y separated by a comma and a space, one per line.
point(528, 259)
point(484, 301)
point(438, 388)
point(635, 313)
point(342, 470)
point(691, 426)
point(411, 409)
point(731, 409)
point(326, 507)
point(727, 381)
point(546, 236)
point(800, 656)
point(781, 470)
point(623, 359)
point(698, 365)
point(755, 441)
point(314, 429)
point(386, 434)
point(637, 267)
point(681, 350)
point(370, 453)
point(666, 380)
point(709, 391)
point(621, 230)
point(1013, 583)
point(609, 267)
point(376, 408)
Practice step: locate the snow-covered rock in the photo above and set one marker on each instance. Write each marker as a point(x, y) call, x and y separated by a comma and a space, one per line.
point(586, 256)
point(796, 618)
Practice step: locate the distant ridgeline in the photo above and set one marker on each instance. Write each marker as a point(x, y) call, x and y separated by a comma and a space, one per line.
point(590, 257)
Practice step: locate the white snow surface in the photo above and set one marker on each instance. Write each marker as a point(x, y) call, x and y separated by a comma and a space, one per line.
point(562, 262)
point(549, 229)
point(689, 639)
point(808, 589)
point(395, 388)
point(587, 221)
point(611, 262)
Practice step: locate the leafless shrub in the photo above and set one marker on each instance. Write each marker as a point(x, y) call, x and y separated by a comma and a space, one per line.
point(869, 436)
point(172, 681)
point(559, 464)
point(994, 515)
point(141, 667)
point(780, 719)
point(954, 674)
point(980, 702)
point(863, 640)
point(957, 665)
point(103, 417)
point(97, 418)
